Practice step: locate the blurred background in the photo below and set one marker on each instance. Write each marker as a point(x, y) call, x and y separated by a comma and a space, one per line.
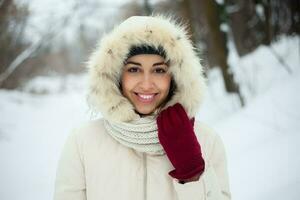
point(250, 50)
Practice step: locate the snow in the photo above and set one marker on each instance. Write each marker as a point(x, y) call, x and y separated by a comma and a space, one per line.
point(33, 130)
point(262, 143)
point(261, 139)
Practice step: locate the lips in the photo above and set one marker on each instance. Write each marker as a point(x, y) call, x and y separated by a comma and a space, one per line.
point(146, 98)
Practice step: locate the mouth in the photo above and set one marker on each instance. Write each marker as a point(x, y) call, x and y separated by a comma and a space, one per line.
point(146, 98)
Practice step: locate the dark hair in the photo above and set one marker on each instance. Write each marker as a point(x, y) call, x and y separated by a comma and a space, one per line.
point(172, 90)
point(146, 49)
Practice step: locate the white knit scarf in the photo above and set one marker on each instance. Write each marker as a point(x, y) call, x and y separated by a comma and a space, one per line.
point(140, 134)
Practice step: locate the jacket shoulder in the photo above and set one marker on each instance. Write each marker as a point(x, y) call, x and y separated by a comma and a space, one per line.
point(90, 131)
point(207, 138)
point(204, 132)
point(90, 126)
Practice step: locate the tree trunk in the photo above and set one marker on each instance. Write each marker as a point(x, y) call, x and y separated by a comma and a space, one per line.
point(186, 13)
point(268, 25)
point(147, 7)
point(206, 13)
point(247, 28)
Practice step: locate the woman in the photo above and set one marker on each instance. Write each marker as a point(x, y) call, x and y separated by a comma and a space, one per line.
point(147, 82)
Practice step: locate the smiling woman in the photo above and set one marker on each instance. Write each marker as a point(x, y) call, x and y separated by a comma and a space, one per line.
point(147, 82)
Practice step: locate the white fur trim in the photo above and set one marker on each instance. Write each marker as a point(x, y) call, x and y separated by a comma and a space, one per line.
point(105, 65)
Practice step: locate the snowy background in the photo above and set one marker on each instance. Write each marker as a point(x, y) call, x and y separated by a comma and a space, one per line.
point(262, 140)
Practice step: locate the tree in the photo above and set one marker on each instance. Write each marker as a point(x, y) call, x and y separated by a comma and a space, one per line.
point(246, 25)
point(15, 54)
point(13, 20)
point(206, 13)
point(255, 22)
point(147, 8)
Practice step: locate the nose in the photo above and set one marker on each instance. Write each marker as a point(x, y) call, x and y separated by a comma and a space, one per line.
point(146, 82)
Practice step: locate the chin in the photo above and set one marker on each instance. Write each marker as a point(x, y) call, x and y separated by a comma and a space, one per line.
point(144, 112)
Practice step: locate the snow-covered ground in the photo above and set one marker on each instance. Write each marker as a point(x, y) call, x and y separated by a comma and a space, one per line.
point(261, 139)
point(262, 143)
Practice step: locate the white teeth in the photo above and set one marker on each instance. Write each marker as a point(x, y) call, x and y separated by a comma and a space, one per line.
point(146, 96)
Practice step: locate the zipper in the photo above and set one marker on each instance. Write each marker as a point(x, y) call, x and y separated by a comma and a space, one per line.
point(145, 175)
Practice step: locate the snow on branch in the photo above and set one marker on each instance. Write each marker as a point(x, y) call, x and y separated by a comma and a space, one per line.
point(27, 53)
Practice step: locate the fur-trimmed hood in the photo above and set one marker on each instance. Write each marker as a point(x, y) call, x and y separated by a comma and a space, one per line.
point(105, 65)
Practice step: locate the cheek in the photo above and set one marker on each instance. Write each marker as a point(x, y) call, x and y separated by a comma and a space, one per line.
point(123, 84)
point(127, 84)
point(165, 85)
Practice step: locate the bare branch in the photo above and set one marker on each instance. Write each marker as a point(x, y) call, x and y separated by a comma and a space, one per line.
point(19, 60)
point(281, 60)
point(45, 39)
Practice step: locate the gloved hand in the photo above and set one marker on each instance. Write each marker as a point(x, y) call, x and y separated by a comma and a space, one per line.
point(176, 135)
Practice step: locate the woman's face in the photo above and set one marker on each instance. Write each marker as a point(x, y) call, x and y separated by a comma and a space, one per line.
point(146, 82)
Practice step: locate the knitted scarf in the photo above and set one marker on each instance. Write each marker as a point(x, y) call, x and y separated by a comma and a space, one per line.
point(140, 134)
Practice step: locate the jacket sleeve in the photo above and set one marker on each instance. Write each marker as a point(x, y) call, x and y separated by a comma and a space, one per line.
point(213, 183)
point(70, 179)
point(218, 167)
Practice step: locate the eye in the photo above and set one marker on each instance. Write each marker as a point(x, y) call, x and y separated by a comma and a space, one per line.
point(160, 70)
point(133, 69)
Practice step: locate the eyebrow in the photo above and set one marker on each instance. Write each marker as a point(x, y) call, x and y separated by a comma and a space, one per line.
point(136, 63)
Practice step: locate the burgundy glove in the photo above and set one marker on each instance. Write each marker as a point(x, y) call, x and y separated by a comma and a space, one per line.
point(176, 135)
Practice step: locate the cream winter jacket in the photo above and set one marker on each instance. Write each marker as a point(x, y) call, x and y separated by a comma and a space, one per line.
point(94, 166)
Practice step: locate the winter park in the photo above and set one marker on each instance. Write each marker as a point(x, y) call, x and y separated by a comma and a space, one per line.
point(250, 54)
